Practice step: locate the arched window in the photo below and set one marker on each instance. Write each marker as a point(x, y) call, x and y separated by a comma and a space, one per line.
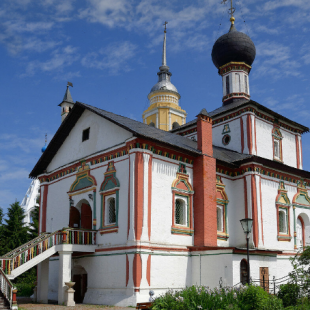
point(246, 84)
point(282, 222)
point(151, 124)
point(300, 229)
point(175, 125)
point(227, 85)
point(111, 211)
point(243, 271)
point(180, 212)
point(238, 82)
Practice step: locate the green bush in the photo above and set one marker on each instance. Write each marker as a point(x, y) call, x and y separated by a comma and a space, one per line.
point(198, 298)
point(24, 289)
point(289, 293)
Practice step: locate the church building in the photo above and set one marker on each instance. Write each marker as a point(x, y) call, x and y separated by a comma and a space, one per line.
point(127, 207)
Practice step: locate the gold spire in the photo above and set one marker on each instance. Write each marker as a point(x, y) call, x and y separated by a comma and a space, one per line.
point(231, 11)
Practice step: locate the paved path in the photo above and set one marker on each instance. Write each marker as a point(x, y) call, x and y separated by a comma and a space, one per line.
point(77, 307)
point(26, 304)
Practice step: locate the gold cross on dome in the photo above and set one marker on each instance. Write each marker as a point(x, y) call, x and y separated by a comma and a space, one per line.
point(165, 24)
point(232, 9)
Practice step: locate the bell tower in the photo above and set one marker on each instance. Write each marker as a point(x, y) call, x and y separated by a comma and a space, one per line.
point(164, 111)
point(67, 103)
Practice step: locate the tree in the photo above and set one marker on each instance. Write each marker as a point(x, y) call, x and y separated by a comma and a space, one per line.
point(15, 232)
point(34, 228)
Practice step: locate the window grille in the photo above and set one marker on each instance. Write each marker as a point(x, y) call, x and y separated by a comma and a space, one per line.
point(179, 212)
point(282, 222)
point(112, 211)
point(219, 219)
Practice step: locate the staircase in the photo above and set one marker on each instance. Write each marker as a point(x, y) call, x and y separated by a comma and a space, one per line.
point(34, 252)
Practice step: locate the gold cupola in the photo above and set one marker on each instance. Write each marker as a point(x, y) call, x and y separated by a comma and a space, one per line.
point(164, 111)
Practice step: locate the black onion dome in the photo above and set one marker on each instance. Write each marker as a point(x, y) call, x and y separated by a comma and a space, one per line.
point(233, 46)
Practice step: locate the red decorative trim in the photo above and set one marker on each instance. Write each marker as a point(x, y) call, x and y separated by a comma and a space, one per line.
point(302, 230)
point(129, 191)
point(255, 134)
point(297, 152)
point(148, 270)
point(137, 271)
point(127, 270)
point(150, 196)
point(142, 247)
point(242, 135)
point(44, 207)
point(254, 210)
point(108, 230)
point(261, 207)
point(249, 134)
point(139, 191)
point(245, 198)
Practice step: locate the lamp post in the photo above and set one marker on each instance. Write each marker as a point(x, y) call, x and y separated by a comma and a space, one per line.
point(247, 227)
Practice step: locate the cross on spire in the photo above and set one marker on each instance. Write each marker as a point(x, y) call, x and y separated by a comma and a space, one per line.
point(165, 24)
point(231, 10)
point(45, 138)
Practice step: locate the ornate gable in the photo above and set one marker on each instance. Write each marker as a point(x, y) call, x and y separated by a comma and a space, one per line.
point(220, 190)
point(181, 183)
point(282, 197)
point(110, 180)
point(302, 197)
point(83, 178)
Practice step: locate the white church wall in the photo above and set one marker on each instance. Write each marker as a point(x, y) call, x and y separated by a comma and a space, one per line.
point(269, 194)
point(235, 134)
point(289, 149)
point(264, 139)
point(163, 174)
point(265, 143)
point(53, 279)
point(235, 212)
point(122, 173)
point(102, 135)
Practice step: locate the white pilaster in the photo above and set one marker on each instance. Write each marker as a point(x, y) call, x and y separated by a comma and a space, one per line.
point(64, 271)
point(245, 135)
point(157, 120)
point(131, 235)
point(42, 285)
point(146, 158)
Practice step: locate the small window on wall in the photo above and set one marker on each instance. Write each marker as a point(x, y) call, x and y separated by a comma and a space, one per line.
point(282, 222)
point(85, 135)
point(180, 212)
point(227, 85)
point(277, 144)
point(111, 211)
point(220, 218)
point(246, 84)
point(238, 82)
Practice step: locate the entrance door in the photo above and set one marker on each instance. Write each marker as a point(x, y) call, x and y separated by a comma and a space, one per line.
point(86, 216)
point(243, 271)
point(264, 278)
point(80, 287)
point(74, 220)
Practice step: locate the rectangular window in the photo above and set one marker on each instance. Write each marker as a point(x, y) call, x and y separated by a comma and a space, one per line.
point(220, 225)
point(282, 222)
point(238, 82)
point(246, 84)
point(180, 212)
point(276, 149)
point(227, 85)
point(85, 135)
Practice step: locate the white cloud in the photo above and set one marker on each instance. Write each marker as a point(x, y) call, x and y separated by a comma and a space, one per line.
point(60, 59)
point(114, 57)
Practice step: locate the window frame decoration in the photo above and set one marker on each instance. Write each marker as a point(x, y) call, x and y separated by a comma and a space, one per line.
point(183, 190)
point(302, 231)
point(300, 200)
point(109, 189)
point(277, 138)
point(222, 201)
point(283, 205)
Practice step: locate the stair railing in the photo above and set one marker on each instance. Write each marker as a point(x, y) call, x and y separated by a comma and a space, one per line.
point(31, 249)
point(6, 287)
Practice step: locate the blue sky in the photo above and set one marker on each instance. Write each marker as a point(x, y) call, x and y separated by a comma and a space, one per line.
point(111, 50)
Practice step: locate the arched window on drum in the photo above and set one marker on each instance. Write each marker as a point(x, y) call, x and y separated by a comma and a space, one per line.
point(300, 229)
